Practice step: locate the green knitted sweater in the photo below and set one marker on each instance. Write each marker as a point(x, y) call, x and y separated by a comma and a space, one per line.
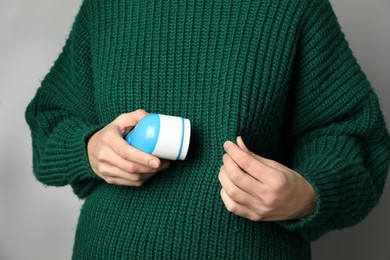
point(277, 72)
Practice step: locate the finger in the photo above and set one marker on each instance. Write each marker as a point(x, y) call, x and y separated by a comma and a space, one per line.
point(270, 163)
point(112, 139)
point(236, 193)
point(111, 171)
point(132, 154)
point(241, 179)
point(258, 167)
point(116, 151)
point(247, 161)
point(237, 208)
point(120, 167)
point(124, 182)
point(127, 121)
point(242, 145)
point(114, 175)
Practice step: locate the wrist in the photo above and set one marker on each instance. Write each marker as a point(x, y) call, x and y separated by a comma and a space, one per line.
point(311, 201)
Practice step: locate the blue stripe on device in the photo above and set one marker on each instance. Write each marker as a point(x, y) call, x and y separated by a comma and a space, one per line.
point(182, 138)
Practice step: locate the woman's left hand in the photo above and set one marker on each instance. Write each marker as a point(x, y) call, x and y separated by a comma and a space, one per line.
point(260, 189)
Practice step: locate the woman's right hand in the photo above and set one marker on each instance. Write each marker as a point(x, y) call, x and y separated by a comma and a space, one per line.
point(115, 161)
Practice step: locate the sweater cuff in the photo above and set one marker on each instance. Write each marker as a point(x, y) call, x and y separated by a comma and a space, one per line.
point(82, 178)
point(78, 153)
point(329, 179)
point(68, 155)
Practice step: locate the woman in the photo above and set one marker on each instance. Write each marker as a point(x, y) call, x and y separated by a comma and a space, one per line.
point(278, 74)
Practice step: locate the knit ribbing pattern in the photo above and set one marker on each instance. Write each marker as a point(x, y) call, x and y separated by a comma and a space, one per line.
point(277, 72)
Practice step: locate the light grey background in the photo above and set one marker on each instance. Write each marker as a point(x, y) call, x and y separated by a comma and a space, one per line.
point(39, 223)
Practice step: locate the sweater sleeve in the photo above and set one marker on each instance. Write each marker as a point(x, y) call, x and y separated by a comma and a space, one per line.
point(62, 115)
point(339, 138)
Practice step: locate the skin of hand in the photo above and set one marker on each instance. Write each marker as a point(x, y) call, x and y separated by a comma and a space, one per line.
point(115, 161)
point(260, 189)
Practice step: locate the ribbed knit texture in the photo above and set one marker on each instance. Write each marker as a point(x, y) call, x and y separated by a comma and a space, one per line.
point(277, 72)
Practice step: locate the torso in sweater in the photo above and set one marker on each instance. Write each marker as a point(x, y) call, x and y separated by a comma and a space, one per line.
point(225, 65)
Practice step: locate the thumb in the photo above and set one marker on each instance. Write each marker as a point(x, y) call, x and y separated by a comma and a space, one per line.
point(127, 121)
point(242, 145)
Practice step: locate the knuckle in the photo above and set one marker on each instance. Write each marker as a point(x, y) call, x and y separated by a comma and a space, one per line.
point(131, 168)
point(232, 193)
point(235, 176)
point(110, 180)
point(255, 217)
point(222, 173)
point(279, 182)
point(271, 163)
point(141, 111)
point(122, 117)
point(101, 155)
point(136, 178)
point(122, 151)
point(245, 161)
point(231, 207)
point(220, 178)
point(106, 135)
point(138, 183)
point(270, 200)
point(101, 169)
point(261, 213)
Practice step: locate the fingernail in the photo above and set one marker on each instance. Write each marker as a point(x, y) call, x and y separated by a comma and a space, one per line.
point(165, 164)
point(225, 145)
point(153, 163)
